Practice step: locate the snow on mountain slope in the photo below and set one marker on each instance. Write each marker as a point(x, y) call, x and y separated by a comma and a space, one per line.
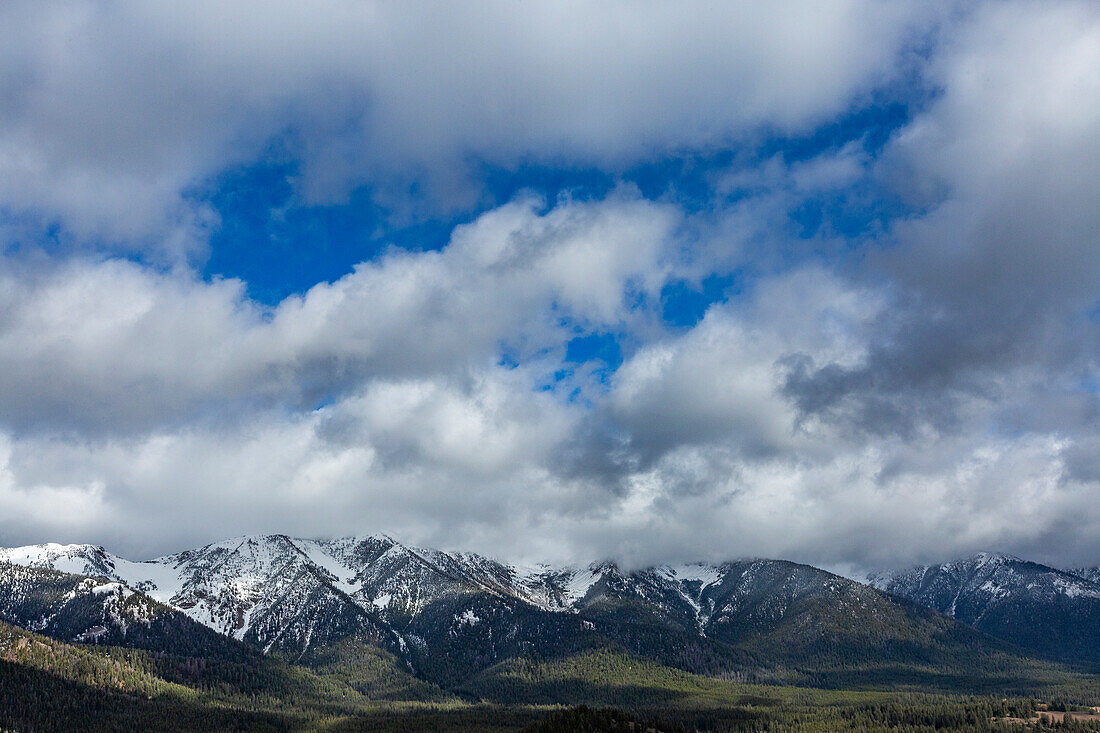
point(82, 609)
point(246, 587)
point(39, 600)
point(980, 581)
point(74, 559)
point(554, 589)
point(447, 615)
point(225, 584)
point(154, 578)
point(286, 594)
point(1029, 604)
point(1090, 574)
point(220, 584)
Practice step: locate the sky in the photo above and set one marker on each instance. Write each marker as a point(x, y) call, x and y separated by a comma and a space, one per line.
point(561, 281)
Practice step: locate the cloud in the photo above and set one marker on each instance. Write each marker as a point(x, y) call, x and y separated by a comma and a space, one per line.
point(432, 459)
point(911, 376)
point(113, 346)
point(1010, 144)
point(115, 111)
point(722, 381)
point(994, 280)
point(704, 455)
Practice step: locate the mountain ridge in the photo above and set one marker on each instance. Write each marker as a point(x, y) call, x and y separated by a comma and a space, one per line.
point(447, 615)
point(1038, 607)
point(341, 623)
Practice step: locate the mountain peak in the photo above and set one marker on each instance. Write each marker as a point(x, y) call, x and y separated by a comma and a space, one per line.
point(78, 559)
point(993, 558)
point(289, 595)
point(1031, 604)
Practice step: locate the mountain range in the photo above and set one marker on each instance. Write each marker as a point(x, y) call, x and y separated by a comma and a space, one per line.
point(1055, 613)
point(455, 619)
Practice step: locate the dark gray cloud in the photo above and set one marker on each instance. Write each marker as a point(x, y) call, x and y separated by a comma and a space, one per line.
point(999, 277)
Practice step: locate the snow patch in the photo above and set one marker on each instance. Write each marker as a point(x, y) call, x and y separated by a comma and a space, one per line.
point(1074, 590)
point(703, 573)
point(112, 588)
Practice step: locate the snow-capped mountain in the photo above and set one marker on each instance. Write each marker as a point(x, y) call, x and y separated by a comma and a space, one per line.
point(237, 585)
point(1090, 574)
point(448, 615)
point(75, 559)
point(97, 610)
point(46, 601)
point(1032, 605)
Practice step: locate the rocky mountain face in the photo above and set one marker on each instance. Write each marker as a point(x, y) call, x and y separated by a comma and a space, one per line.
point(100, 611)
point(1050, 611)
point(1090, 574)
point(446, 616)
